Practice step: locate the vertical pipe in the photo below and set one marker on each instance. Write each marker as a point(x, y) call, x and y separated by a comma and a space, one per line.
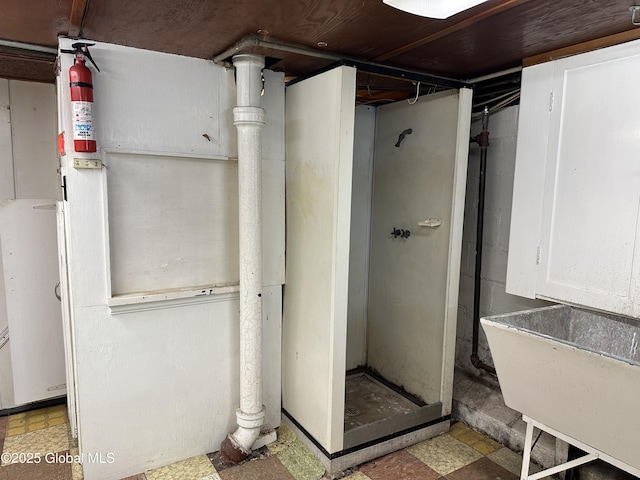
point(249, 120)
point(483, 141)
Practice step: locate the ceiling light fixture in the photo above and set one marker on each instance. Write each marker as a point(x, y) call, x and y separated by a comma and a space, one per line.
point(433, 8)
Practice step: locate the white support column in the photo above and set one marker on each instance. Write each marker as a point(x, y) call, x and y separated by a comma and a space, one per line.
point(249, 121)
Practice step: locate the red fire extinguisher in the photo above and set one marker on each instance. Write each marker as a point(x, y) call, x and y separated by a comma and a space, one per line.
point(81, 85)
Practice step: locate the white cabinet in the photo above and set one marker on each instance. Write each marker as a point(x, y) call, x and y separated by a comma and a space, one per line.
point(29, 260)
point(575, 228)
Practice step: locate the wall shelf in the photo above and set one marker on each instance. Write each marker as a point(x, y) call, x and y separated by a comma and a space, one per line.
point(171, 298)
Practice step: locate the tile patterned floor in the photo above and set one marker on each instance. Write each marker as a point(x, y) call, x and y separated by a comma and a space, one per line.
point(36, 445)
point(461, 454)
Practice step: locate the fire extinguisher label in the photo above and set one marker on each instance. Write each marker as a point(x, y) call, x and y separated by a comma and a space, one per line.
point(82, 121)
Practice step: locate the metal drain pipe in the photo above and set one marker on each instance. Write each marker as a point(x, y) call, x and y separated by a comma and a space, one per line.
point(253, 42)
point(249, 119)
point(483, 140)
point(31, 47)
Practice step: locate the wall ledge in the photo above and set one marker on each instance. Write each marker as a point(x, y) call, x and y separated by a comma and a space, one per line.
point(136, 302)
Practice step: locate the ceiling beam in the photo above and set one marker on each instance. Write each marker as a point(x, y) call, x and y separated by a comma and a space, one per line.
point(583, 47)
point(490, 12)
point(77, 15)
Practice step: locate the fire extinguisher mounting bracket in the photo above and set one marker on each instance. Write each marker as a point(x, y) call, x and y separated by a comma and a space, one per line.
point(91, 163)
point(82, 48)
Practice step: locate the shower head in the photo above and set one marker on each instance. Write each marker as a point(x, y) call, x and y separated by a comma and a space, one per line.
point(408, 131)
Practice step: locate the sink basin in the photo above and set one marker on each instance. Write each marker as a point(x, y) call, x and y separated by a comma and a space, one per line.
point(574, 370)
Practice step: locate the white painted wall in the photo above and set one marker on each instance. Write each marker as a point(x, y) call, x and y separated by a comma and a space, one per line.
point(158, 382)
point(503, 128)
point(28, 169)
point(360, 239)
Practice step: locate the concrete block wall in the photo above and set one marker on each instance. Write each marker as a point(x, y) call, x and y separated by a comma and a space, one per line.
point(503, 128)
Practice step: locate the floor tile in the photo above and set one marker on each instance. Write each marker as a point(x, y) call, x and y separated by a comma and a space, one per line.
point(47, 440)
point(194, 468)
point(16, 431)
point(262, 469)
point(286, 437)
point(57, 411)
point(511, 461)
point(41, 471)
point(36, 420)
point(76, 467)
point(73, 442)
point(3, 426)
point(444, 454)
point(475, 440)
point(398, 466)
point(483, 469)
point(458, 455)
point(356, 476)
point(295, 456)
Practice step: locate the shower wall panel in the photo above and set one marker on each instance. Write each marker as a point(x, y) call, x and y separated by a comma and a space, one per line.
point(421, 154)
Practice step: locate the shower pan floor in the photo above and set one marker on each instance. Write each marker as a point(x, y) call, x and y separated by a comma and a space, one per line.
point(368, 400)
point(379, 418)
point(376, 409)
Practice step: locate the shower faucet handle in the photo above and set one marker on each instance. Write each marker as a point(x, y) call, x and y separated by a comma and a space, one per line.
point(402, 233)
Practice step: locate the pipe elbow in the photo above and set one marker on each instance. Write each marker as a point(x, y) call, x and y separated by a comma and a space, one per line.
point(480, 365)
point(237, 446)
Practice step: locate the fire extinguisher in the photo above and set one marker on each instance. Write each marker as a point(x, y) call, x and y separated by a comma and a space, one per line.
point(81, 85)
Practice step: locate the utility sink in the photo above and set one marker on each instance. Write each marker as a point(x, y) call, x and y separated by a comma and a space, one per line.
point(575, 371)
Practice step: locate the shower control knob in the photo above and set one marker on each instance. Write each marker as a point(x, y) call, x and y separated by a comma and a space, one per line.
point(402, 233)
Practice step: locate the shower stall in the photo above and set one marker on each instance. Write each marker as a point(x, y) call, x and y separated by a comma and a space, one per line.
point(375, 200)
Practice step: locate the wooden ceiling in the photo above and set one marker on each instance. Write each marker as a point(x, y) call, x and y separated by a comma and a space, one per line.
point(496, 35)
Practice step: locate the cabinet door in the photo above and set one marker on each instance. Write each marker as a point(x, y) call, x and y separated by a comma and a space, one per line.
point(589, 252)
point(319, 155)
point(29, 256)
